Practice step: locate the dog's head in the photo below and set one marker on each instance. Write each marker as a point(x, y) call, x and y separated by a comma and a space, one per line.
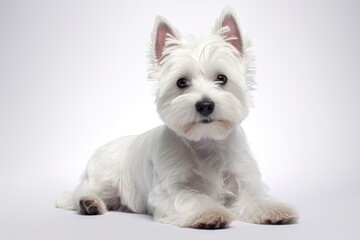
point(203, 84)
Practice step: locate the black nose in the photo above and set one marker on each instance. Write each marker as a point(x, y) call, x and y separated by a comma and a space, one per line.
point(205, 107)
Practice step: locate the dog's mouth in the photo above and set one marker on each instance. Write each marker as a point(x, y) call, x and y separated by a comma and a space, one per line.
point(207, 120)
point(227, 124)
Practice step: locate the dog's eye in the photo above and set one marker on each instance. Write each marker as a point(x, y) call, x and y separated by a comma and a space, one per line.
point(182, 83)
point(221, 79)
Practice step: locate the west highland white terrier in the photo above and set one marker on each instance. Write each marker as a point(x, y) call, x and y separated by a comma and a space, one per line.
point(196, 170)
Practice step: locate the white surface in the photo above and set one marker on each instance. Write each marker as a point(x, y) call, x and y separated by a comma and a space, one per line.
point(73, 76)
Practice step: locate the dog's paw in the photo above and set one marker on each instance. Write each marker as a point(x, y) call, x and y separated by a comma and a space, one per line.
point(90, 206)
point(213, 219)
point(277, 213)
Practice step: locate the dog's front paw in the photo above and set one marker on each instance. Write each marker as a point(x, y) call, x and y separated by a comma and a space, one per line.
point(277, 213)
point(211, 219)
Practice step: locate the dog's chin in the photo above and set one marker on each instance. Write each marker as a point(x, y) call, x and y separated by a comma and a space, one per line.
point(207, 128)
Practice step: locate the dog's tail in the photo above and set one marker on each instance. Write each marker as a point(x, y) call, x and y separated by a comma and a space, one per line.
point(66, 201)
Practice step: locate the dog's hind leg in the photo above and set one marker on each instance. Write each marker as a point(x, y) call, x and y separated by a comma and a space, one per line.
point(88, 200)
point(66, 201)
point(92, 206)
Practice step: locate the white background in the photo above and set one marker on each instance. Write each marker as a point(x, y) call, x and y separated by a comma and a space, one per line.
point(73, 77)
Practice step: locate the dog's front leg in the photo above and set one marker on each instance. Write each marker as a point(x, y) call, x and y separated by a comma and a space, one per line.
point(188, 208)
point(260, 208)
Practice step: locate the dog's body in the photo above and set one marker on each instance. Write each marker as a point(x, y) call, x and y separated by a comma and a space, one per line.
point(196, 170)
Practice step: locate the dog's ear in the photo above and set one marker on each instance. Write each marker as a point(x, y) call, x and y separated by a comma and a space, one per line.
point(163, 31)
point(229, 28)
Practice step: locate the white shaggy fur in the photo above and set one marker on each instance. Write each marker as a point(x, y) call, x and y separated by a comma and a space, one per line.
point(196, 170)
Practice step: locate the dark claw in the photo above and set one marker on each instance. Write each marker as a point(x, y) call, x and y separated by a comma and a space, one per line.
point(222, 224)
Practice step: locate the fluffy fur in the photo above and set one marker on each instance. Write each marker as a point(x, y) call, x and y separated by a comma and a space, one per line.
point(196, 170)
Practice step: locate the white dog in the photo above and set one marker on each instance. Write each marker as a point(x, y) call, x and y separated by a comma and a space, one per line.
point(196, 170)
